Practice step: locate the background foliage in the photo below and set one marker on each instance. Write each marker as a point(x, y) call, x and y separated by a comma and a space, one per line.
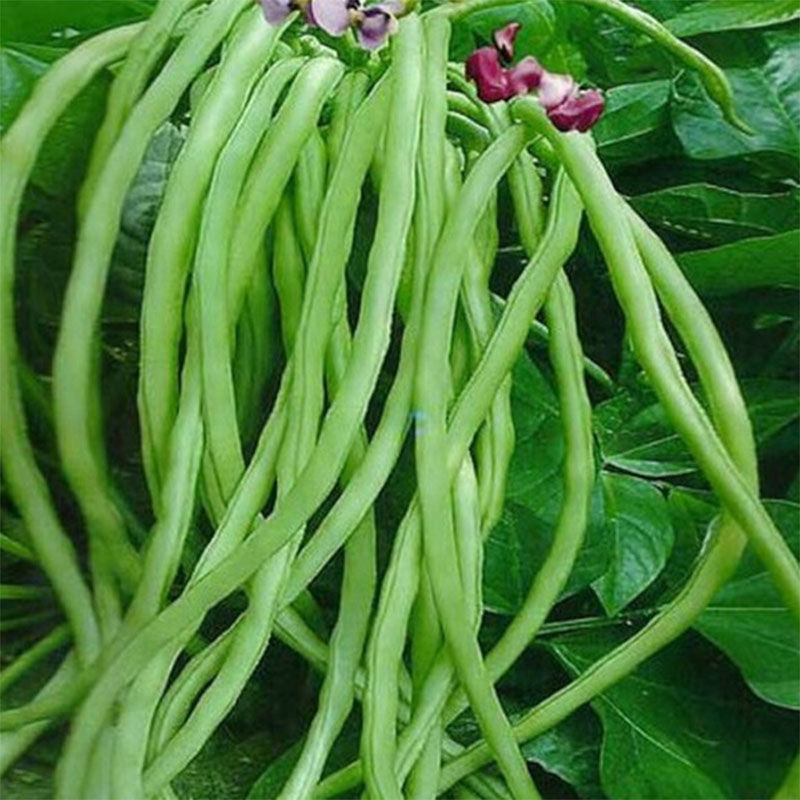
point(713, 715)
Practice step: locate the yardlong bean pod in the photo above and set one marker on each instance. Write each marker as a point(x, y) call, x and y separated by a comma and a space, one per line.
point(654, 351)
point(312, 84)
point(716, 563)
point(431, 398)
point(75, 389)
point(142, 57)
point(182, 470)
point(525, 299)
point(18, 150)
point(369, 201)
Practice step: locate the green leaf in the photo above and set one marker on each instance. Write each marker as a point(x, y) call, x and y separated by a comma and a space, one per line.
point(62, 159)
point(635, 435)
point(519, 543)
point(682, 726)
point(746, 264)
point(66, 20)
point(538, 22)
point(724, 15)
point(749, 622)
point(767, 99)
point(571, 750)
point(271, 781)
point(717, 215)
point(639, 528)
point(690, 512)
point(18, 75)
point(635, 125)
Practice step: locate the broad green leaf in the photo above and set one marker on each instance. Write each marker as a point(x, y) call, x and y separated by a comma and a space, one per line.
point(717, 215)
point(724, 15)
point(519, 544)
point(18, 75)
point(682, 726)
point(639, 530)
point(766, 98)
point(66, 20)
point(748, 620)
point(635, 124)
point(271, 781)
point(746, 264)
point(520, 541)
point(635, 435)
point(571, 750)
point(63, 156)
point(538, 22)
point(690, 512)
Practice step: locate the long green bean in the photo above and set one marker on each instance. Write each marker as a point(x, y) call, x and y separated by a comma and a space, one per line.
point(725, 542)
point(144, 53)
point(651, 344)
point(18, 150)
point(173, 240)
point(220, 206)
point(431, 397)
point(75, 389)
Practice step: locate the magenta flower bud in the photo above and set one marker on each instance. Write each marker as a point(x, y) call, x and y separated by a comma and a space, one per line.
point(376, 24)
point(333, 16)
point(554, 89)
point(483, 67)
point(503, 39)
point(579, 111)
point(525, 76)
point(276, 11)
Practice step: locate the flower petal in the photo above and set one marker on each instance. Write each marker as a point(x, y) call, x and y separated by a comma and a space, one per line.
point(377, 23)
point(276, 11)
point(554, 89)
point(526, 75)
point(333, 16)
point(483, 67)
point(503, 39)
point(578, 112)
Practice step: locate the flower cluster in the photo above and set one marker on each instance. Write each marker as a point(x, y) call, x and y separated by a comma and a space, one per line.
point(567, 105)
point(373, 24)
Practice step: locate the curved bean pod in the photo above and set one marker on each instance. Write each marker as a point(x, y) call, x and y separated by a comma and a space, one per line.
point(431, 448)
point(75, 390)
point(144, 53)
point(18, 150)
point(717, 561)
point(654, 351)
point(172, 243)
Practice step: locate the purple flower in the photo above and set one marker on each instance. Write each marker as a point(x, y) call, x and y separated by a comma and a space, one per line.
point(276, 11)
point(568, 107)
point(503, 39)
point(525, 76)
point(333, 16)
point(483, 67)
point(554, 89)
point(374, 24)
point(578, 112)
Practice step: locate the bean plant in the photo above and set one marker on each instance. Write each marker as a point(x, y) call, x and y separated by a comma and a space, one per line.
point(326, 306)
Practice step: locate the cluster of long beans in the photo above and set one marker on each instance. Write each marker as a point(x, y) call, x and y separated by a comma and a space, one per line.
point(259, 361)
